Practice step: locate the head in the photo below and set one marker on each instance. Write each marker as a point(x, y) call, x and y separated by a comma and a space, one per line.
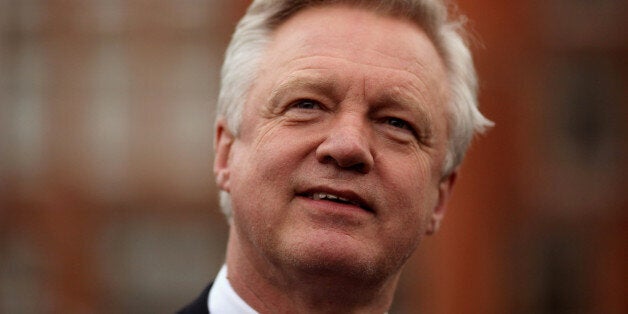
point(255, 32)
point(339, 129)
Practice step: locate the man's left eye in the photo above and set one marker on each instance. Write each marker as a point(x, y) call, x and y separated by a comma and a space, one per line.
point(306, 104)
point(398, 123)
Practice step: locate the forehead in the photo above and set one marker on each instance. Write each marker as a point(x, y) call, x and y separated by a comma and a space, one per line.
point(359, 35)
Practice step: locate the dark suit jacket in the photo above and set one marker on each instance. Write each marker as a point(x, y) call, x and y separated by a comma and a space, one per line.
point(198, 306)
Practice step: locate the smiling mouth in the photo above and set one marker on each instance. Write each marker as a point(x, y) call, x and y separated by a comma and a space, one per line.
point(332, 198)
point(319, 196)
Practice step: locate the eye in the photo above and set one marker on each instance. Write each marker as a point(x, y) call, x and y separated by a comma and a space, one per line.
point(405, 130)
point(306, 104)
point(398, 123)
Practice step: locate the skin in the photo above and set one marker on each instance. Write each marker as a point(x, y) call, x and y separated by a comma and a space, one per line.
point(350, 103)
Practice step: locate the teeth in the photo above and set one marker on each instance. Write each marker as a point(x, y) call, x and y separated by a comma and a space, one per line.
point(331, 197)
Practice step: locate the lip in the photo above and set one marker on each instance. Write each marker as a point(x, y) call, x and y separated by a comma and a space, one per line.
point(349, 198)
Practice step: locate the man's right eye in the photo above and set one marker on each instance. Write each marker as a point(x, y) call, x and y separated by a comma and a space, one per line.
point(306, 104)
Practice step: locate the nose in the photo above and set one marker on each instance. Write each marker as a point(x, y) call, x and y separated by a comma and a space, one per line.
point(347, 146)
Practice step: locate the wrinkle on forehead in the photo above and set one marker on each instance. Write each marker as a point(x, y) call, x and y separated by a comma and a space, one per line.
point(425, 75)
point(323, 77)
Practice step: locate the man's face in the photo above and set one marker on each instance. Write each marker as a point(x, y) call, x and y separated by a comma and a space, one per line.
point(337, 165)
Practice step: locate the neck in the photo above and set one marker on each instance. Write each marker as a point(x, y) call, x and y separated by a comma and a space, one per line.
point(271, 288)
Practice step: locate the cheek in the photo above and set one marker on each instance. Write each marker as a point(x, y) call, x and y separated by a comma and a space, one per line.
point(412, 187)
point(411, 175)
point(280, 151)
point(263, 166)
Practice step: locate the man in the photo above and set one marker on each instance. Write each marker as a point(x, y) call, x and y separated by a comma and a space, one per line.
point(340, 129)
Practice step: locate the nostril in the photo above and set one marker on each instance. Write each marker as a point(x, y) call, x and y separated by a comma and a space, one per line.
point(358, 167)
point(361, 167)
point(353, 160)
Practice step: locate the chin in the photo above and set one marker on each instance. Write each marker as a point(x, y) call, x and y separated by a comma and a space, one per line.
point(337, 260)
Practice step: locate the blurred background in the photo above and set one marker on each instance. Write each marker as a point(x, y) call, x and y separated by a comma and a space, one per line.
point(108, 205)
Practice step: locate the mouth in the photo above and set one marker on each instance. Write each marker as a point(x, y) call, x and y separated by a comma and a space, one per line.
point(345, 198)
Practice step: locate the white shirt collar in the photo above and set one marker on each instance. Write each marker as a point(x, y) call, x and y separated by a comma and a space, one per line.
point(222, 299)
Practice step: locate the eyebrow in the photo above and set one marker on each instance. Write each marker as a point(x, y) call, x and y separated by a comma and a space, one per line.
point(316, 83)
point(396, 98)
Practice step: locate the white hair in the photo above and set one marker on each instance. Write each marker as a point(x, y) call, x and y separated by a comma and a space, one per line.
point(254, 33)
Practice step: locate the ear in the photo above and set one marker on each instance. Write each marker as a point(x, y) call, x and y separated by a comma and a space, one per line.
point(445, 188)
point(222, 148)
